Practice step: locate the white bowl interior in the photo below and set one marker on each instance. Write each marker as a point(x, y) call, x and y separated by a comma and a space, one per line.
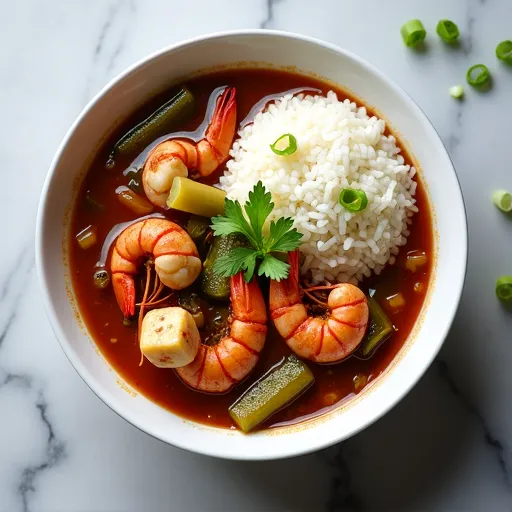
point(132, 89)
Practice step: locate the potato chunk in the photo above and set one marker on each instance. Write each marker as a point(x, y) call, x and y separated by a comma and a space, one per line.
point(169, 337)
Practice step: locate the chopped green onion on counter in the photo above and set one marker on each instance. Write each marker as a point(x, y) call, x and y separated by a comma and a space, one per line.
point(457, 92)
point(478, 75)
point(448, 31)
point(504, 51)
point(503, 200)
point(413, 32)
point(504, 289)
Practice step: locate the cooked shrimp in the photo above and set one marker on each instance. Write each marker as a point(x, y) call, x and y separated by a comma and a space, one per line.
point(176, 157)
point(217, 368)
point(323, 339)
point(175, 255)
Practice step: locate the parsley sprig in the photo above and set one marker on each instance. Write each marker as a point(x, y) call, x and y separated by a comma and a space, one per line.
point(282, 237)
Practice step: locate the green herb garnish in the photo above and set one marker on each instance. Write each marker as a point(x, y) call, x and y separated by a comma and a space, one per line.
point(282, 237)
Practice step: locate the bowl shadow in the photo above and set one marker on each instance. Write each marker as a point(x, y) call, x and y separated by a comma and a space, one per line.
point(399, 463)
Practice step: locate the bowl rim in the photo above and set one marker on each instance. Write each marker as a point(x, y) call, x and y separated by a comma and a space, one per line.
point(51, 312)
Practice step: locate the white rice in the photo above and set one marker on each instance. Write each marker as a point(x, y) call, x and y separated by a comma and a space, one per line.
point(339, 146)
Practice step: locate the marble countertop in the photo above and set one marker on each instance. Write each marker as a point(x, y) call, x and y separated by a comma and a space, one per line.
point(446, 447)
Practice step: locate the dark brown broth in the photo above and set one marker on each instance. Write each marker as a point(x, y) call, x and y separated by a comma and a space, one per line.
point(104, 320)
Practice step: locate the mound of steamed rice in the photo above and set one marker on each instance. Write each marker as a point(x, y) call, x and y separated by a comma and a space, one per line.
point(339, 146)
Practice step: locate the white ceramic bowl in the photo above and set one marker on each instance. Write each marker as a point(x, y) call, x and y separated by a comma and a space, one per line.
point(150, 76)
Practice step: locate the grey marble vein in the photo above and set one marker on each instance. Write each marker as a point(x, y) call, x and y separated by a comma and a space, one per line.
point(55, 453)
point(19, 379)
point(7, 327)
point(22, 255)
point(102, 48)
point(500, 453)
point(466, 46)
point(453, 140)
point(130, 4)
point(342, 497)
point(55, 450)
point(269, 14)
point(13, 290)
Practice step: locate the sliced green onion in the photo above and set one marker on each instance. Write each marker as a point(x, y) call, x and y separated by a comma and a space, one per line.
point(504, 51)
point(457, 91)
point(503, 200)
point(447, 31)
point(413, 32)
point(478, 75)
point(504, 289)
point(284, 145)
point(353, 200)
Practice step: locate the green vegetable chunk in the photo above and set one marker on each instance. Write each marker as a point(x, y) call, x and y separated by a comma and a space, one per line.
point(478, 75)
point(504, 52)
point(92, 203)
point(353, 200)
point(101, 278)
point(197, 228)
point(175, 111)
point(457, 92)
point(212, 284)
point(413, 32)
point(284, 145)
point(379, 330)
point(503, 200)
point(447, 31)
point(504, 289)
point(197, 198)
point(275, 390)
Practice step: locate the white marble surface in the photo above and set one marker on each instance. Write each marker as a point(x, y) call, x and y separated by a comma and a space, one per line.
point(446, 447)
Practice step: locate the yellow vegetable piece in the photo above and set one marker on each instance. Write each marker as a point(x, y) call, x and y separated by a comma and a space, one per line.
point(419, 287)
point(198, 319)
point(169, 337)
point(135, 202)
point(278, 388)
point(193, 197)
point(360, 380)
point(331, 399)
point(87, 237)
point(396, 301)
point(415, 260)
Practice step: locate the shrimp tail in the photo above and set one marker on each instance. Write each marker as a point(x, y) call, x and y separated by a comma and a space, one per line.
point(247, 300)
point(221, 130)
point(124, 289)
point(285, 293)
